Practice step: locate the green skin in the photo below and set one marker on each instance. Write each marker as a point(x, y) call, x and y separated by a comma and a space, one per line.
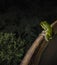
point(47, 29)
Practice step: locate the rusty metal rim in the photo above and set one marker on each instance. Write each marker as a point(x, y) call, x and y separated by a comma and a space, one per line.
point(29, 54)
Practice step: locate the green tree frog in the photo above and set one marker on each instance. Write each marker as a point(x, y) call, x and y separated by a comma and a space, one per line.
point(47, 30)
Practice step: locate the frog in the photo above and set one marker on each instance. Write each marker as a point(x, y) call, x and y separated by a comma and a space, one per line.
point(47, 30)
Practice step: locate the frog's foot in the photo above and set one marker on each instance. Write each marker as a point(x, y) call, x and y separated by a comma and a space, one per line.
point(46, 38)
point(43, 33)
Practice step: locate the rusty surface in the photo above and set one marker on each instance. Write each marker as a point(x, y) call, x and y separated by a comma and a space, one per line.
point(37, 55)
point(34, 54)
point(49, 54)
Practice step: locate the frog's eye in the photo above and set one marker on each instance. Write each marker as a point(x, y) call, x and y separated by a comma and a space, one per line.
point(45, 22)
point(41, 23)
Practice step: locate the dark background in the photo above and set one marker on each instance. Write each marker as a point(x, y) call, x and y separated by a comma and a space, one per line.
point(19, 13)
point(40, 8)
point(23, 17)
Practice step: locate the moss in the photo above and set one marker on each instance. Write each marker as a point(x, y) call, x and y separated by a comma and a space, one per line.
point(11, 49)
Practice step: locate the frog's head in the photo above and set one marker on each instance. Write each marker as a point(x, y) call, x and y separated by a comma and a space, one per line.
point(44, 25)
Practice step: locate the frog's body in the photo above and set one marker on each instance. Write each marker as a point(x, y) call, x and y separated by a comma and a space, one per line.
point(47, 29)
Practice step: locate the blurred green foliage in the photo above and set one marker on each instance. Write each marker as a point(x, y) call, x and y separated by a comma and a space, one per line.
point(14, 46)
point(11, 49)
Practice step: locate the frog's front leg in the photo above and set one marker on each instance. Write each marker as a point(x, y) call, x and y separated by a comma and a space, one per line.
point(45, 35)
